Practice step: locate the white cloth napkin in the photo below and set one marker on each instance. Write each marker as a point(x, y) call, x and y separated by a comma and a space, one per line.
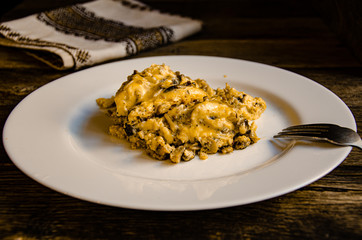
point(86, 34)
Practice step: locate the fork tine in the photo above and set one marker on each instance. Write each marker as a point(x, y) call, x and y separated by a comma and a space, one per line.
point(311, 131)
point(299, 133)
point(301, 137)
point(307, 130)
point(317, 126)
point(322, 132)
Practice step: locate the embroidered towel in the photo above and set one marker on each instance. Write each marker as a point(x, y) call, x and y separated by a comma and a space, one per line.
point(86, 34)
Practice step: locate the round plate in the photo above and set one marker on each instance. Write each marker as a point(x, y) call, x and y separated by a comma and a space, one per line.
point(58, 136)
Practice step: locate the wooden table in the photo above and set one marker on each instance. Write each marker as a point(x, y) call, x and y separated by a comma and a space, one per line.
point(287, 34)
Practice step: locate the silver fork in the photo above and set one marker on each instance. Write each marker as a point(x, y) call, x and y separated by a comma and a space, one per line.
point(322, 132)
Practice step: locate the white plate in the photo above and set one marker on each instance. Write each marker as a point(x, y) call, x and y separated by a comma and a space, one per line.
point(57, 136)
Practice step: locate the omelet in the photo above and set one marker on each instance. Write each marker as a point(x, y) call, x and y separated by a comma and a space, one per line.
point(176, 118)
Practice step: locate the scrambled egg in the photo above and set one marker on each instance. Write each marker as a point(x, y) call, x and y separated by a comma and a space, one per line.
point(174, 117)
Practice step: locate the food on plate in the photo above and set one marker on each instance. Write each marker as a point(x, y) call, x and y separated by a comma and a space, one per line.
point(175, 117)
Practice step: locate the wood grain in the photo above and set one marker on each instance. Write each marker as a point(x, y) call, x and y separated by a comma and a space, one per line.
point(287, 34)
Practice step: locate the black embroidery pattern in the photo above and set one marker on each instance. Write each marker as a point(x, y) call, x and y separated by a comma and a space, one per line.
point(26, 40)
point(78, 21)
point(81, 55)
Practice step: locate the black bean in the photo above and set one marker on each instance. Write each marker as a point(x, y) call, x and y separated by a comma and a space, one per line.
point(171, 88)
point(130, 130)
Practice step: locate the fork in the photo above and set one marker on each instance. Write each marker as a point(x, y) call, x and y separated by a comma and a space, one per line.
point(322, 132)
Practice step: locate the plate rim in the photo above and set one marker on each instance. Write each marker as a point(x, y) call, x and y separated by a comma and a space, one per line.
point(168, 208)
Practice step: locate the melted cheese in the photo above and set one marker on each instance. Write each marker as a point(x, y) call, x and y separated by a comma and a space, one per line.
point(175, 117)
point(143, 87)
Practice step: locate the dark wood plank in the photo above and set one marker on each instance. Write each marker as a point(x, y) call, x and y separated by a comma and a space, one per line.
point(288, 53)
point(344, 18)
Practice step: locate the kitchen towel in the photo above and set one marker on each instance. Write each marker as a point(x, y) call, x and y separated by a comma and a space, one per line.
point(90, 33)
